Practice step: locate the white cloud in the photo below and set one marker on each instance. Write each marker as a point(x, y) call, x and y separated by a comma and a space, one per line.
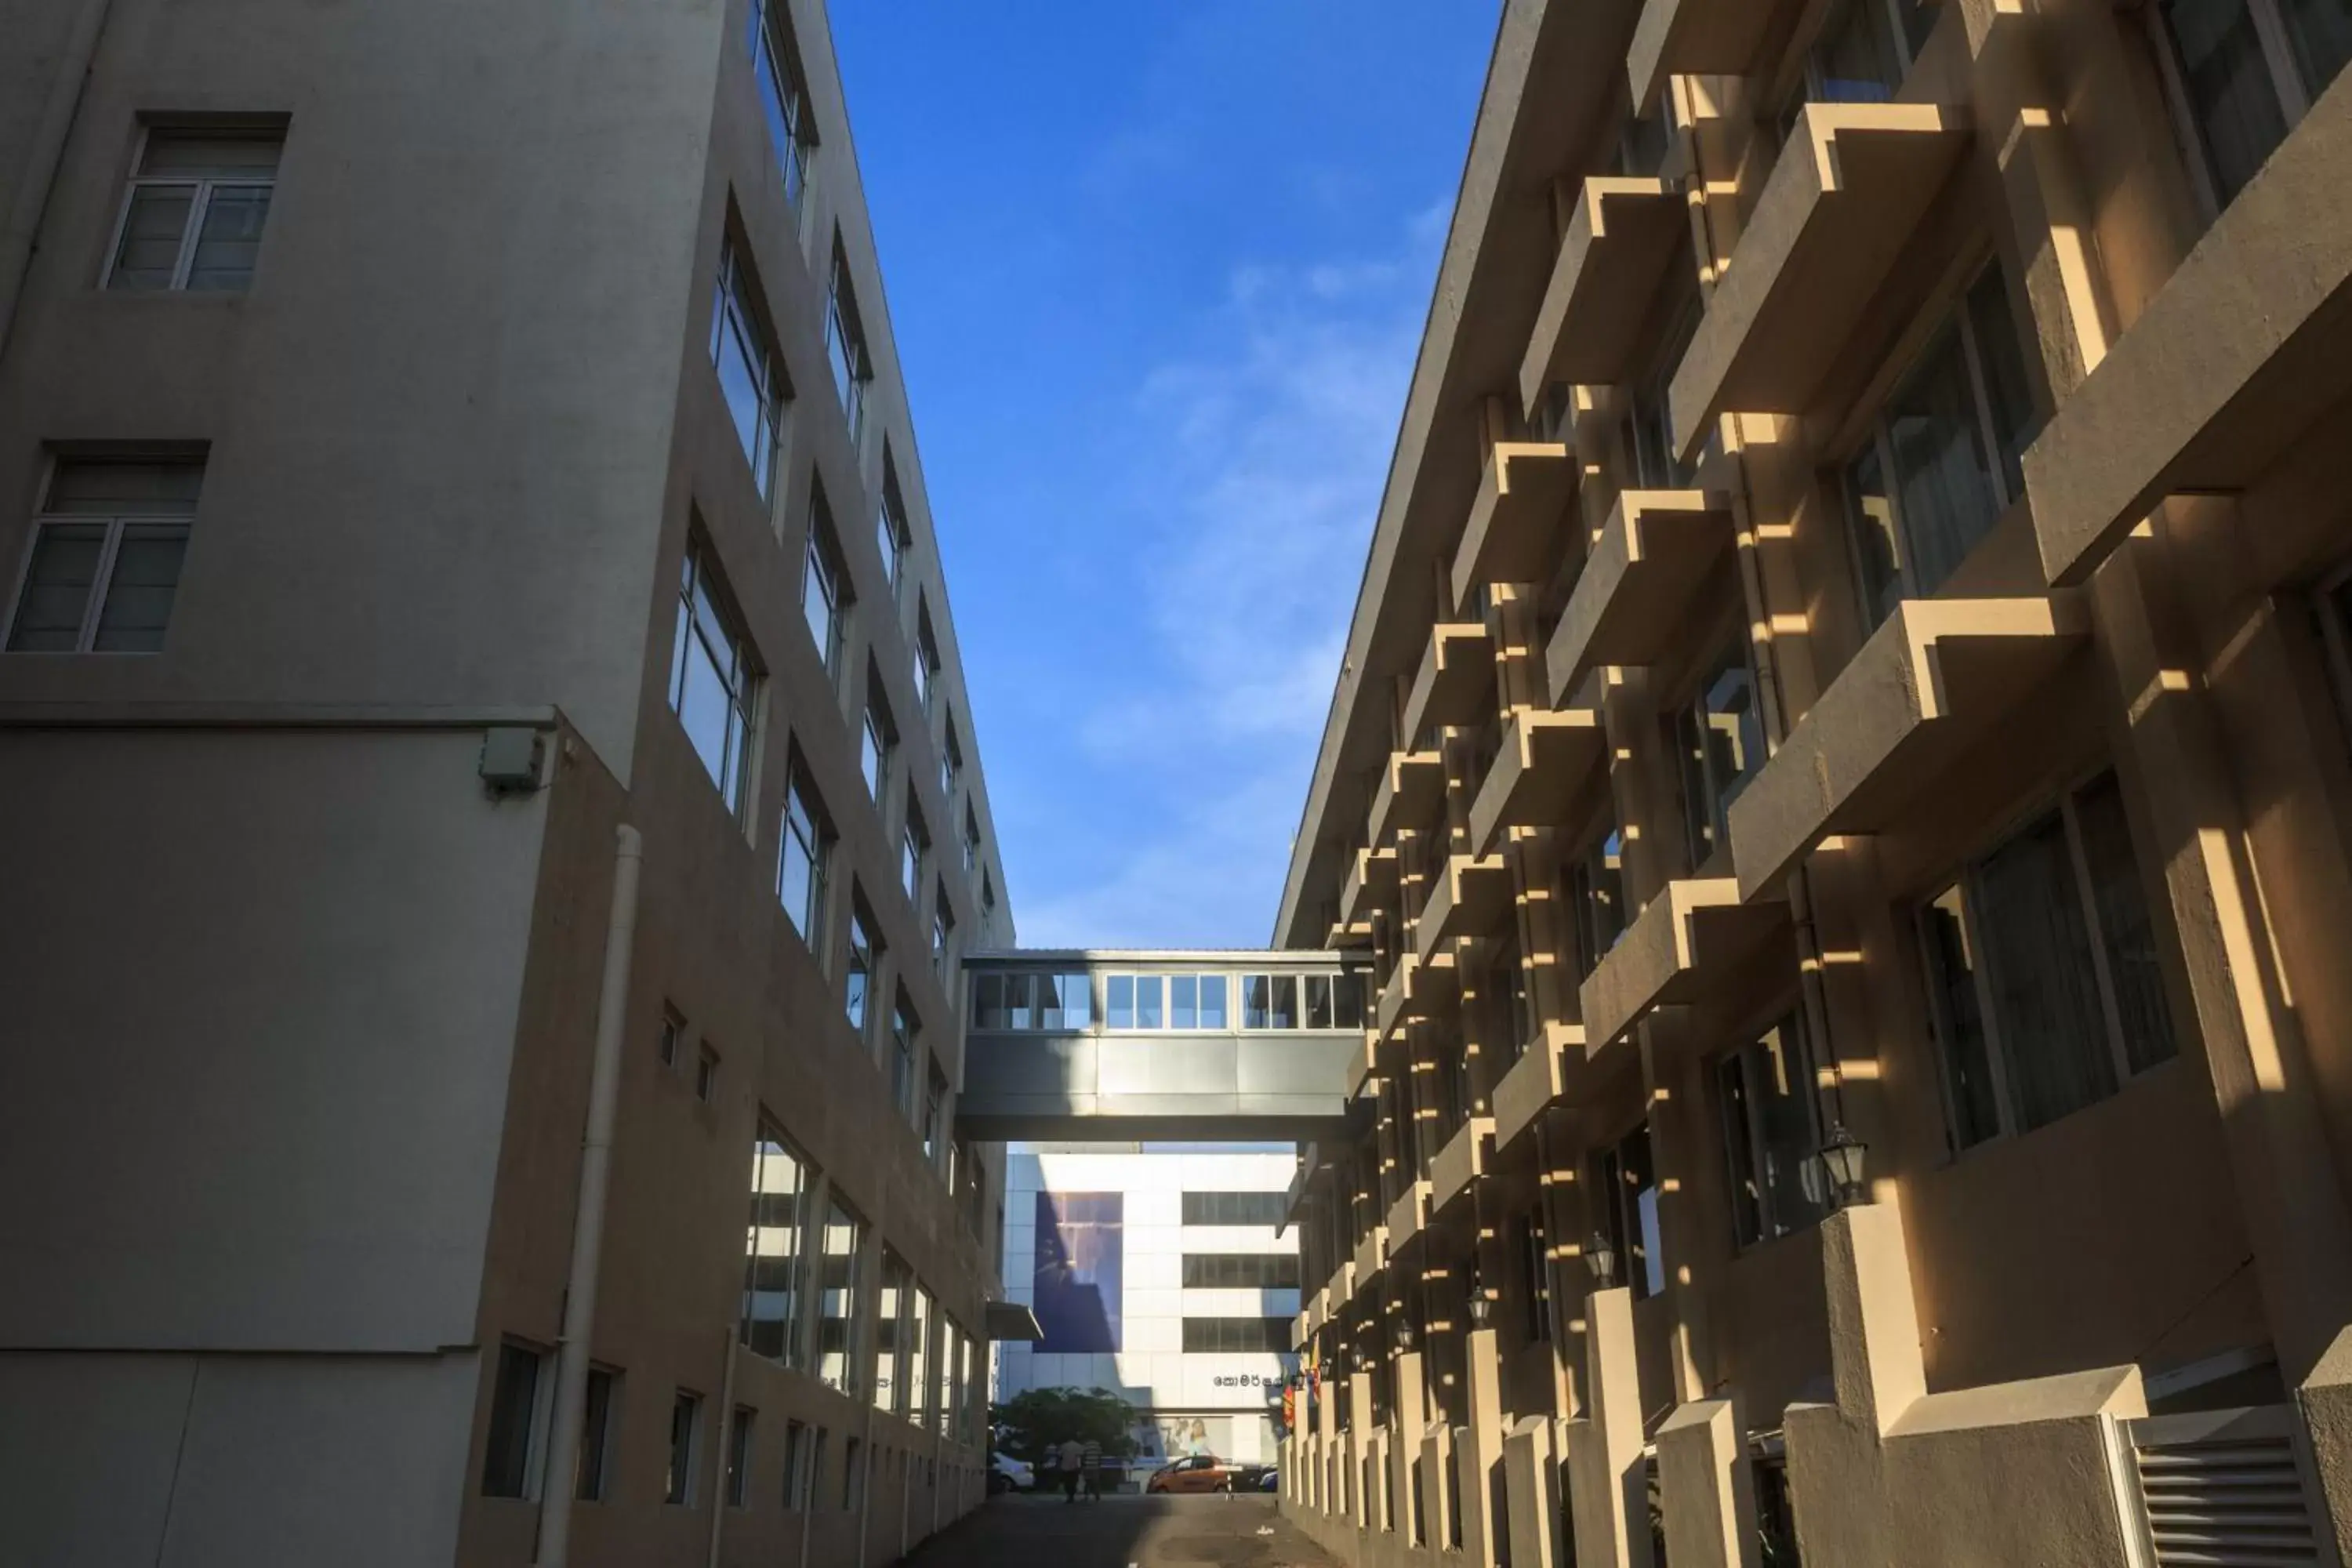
point(1251, 501)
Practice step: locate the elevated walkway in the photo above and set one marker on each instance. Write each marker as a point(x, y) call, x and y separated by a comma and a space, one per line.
point(1243, 1046)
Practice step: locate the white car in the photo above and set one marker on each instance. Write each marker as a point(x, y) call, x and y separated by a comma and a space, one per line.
point(1007, 1474)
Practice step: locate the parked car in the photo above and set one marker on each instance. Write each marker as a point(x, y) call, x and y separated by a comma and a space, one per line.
point(1193, 1473)
point(1007, 1474)
point(1271, 1481)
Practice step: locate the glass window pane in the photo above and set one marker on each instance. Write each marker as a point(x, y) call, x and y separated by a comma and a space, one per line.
point(1780, 1083)
point(740, 382)
point(1118, 1002)
point(2045, 1001)
point(514, 1402)
point(1078, 1002)
point(1870, 520)
point(1318, 1001)
point(58, 582)
point(1183, 1001)
point(1258, 1002)
point(1348, 1001)
point(1286, 1003)
point(1148, 1013)
point(1959, 1025)
point(771, 1290)
point(1739, 1149)
point(1943, 484)
point(2231, 98)
point(230, 238)
point(987, 1001)
point(706, 708)
point(2323, 39)
point(1856, 57)
point(838, 1302)
point(2127, 930)
point(152, 231)
point(2011, 412)
point(1212, 1001)
point(1020, 1000)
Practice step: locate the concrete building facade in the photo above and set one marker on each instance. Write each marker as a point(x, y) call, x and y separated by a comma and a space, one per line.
point(1840, 773)
point(489, 815)
point(1161, 1273)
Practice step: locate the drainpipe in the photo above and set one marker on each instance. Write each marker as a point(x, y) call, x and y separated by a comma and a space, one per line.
point(49, 152)
point(726, 1445)
point(588, 1222)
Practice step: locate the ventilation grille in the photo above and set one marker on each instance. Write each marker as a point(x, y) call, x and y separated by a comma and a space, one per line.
point(2222, 1489)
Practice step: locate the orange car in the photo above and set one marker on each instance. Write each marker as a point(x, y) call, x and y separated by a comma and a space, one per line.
point(1195, 1473)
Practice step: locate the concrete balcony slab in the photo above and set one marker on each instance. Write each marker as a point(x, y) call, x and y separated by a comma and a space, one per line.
point(1455, 683)
point(1371, 884)
point(1465, 1158)
point(1695, 933)
point(1846, 197)
point(1545, 1071)
point(1933, 682)
point(1621, 234)
point(1522, 505)
point(1471, 898)
point(1703, 37)
point(2247, 344)
point(1538, 773)
point(1646, 567)
point(1411, 786)
point(1407, 1216)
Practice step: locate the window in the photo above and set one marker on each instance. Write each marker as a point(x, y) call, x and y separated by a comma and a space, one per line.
point(802, 857)
point(1596, 896)
point(865, 965)
point(706, 1075)
point(1241, 1272)
point(784, 94)
point(194, 216)
point(970, 844)
point(845, 347)
point(515, 1419)
point(935, 1118)
point(889, 1333)
point(1765, 1093)
point(903, 1031)
point(104, 562)
point(2045, 987)
point(853, 1474)
point(1274, 1001)
point(1285, 1007)
point(751, 372)
point(1945, 458)
point(875, 747)
point(913, 846)
point(714, 677)
point(837, 1302)
point(1018, 1001)
point(1236, 1208)
point(2240, 73)
point(1258, 1002)
point(1196, 1002)
point(1719, 742)
point(927, 661)
point(1648, 432)
point(824, 586)
point(673, 1031)
point(1625, 1181)
point(739, 1455)
point(801, 1448)
point(1532, 1254)
point(775, 1249)
point(921, 1400)
point(950, 766)
point(685, 1417)
point(592, 1473)
point(1237, 1336)
point(892, 536)
point(942, 930)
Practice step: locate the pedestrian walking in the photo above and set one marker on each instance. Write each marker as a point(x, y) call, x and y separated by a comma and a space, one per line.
point(1094, 1457)
point(1073, 1456)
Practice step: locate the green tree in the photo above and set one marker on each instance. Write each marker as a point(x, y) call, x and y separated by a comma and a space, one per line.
point(1031, 1425)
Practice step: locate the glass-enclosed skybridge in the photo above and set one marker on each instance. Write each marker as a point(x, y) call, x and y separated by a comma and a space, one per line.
point(1160, 1045)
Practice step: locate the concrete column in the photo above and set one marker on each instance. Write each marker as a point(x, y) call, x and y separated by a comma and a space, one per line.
point(1482, 1460)
point(1406, 1418)
point(1360, 1433)
point(1326, 1433)
point(1873, 1315)
point(1707, 1486)
point(1533, 1493)
point(1608, 1483)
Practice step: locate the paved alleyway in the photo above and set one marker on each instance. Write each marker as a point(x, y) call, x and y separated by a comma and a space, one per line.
point(1118, 1532)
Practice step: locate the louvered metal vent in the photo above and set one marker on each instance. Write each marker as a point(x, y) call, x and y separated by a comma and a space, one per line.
point(2223, 1488)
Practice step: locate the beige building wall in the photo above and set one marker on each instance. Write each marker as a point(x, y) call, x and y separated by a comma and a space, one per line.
point(295, 1068)
point(1702, 274)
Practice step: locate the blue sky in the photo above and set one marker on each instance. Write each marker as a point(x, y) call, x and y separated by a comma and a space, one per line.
point(1157, 270)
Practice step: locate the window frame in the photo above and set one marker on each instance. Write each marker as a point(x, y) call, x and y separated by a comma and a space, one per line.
point(592, 1471)
point(774, 44)
point(737, 307)
point(682, 1475)
point(848, 355)
point(793, 1351)
point(878, 740)
point(2283, 67)
point(2008, 1118)
point(746, 696)
point(101, 583)
point(803, 806)
point(1751, 1127)
point(199, 202)
point(824, 575)
point(740, 1429)
point(1692, 719)
point(1958, 323)
point(862, 922)
point(535, 1420)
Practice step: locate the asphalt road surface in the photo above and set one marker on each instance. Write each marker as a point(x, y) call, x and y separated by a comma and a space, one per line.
point(1122, 1533)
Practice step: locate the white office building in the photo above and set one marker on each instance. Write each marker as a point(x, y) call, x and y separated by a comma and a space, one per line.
point(1156, 1272)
